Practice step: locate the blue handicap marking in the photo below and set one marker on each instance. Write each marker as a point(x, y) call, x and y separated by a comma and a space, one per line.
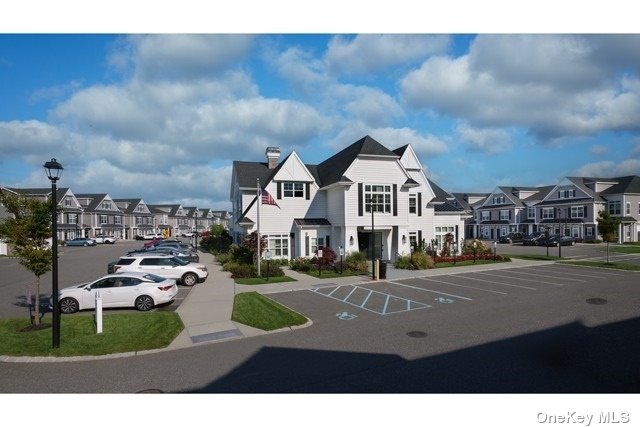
point(444, 300)
point(345, 316)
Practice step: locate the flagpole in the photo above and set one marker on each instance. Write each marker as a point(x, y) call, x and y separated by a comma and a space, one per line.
point(259, 203)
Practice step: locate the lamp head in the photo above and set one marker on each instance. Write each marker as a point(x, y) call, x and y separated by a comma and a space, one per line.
point(54, 170)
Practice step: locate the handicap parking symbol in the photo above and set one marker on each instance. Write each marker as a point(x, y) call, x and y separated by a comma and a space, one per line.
point(444, 300)
point(345, 316)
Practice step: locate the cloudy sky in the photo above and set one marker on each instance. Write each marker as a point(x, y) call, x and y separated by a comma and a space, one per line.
point(162, 117)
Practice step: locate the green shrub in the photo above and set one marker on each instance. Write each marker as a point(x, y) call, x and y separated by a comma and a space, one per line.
point(302, 265)
point(481, 247)
point(356, 261)
point(272, 267)
point(403, 262)
point(224, 258)
point(240, 271)
point(419, 261)
point(241, 254)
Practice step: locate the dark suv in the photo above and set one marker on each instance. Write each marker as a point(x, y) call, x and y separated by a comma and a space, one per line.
point(511, 238)
point(533, 238)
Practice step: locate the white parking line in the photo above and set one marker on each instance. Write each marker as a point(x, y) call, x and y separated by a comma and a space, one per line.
point(560, 271)
point(429, 290)
point(463, 286)
point(527, 280)
point(540, 275)
point(499, 283)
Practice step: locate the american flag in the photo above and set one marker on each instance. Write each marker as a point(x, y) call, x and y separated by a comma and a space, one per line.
point(267, 199)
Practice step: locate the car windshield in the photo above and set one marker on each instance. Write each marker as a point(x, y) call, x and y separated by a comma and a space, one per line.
point(154, 278)
point(179, 261)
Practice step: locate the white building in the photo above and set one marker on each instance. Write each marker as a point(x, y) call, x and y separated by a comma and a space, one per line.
point(364, 191)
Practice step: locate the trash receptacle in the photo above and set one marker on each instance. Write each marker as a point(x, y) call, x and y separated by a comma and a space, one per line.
point(383, 269)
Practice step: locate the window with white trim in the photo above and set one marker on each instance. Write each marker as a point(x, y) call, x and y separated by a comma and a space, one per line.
point(278, 244)
point(531, 212)
point(104, 219)
point(614, 207)
point(68, 202)
point(566, 194)
point(293, 189)
point(413, 239)
point(72, 218)
point(378, 196)
point(316, 243)
point(118, 219)
point(498, 200)
point(628, 209)
point(486, 215)
point(589, 231)
point(504, 215)
point(548, 213)
point(413, 203)
point(106, 206)
point(578, 211)
point(139, 220)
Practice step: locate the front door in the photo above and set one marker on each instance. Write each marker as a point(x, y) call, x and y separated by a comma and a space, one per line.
point(364, 244)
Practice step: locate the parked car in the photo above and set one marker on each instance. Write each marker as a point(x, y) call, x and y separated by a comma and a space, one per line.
point(103, 238)
point(187, 234)
point(183, 255)
point(561, 240)
point(80, 241)
point(511, 238)
point(183, 247)
point(533, 238)
point(152, 236)
point(131, 289)
point(188, 273)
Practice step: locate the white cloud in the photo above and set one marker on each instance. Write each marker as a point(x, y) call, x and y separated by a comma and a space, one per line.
point(561, 89)
point(370, 53)
point(486, 140)
point(599, 150)
point(423, 144)
point(607, 168)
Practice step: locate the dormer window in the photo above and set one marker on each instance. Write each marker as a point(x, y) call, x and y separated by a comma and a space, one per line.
point(106, 206)
point(498, 200)
point(566, 194)
point(293, 189)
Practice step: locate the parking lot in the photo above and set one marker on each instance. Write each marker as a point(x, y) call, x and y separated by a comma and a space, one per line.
point(75, 265)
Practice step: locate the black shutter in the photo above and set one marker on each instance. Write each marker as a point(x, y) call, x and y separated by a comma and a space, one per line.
point(360, 199)
point(279, 190)
point(419, 204)
point(509, 213)
point(306, 245)
point(395, 199)
point(327, 242)
point(307, 191)
point(420, 238)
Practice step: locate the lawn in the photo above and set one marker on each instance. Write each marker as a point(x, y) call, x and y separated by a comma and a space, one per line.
point(625, 249)
point(122, 333)
point(264, 281)
point(258, 311)
point(612, 265)
point(534, 257)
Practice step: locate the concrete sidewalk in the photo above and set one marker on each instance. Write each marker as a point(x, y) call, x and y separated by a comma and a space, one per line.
point(206, 312)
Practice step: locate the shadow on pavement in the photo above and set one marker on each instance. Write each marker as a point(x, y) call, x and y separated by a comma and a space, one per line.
point(568, 359)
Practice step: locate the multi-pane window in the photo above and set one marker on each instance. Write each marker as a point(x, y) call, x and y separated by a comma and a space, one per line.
point(68, 202)
point(413, 203)
point(104, 219)
point(139, 220)
point(614, 207)
point(72, 218)
point(531, 212)
point(279, 246)
point(316, 243)
point(628, 208)
point(378, 197)
point(413, 239)
point(547, 213)
point(293, 189)
point(486, 216)
point(565, 194)
point(140, 208)
point(578, 211)
point(118, 219)
point(504, 214)
point(106, 206)
point(498, 200)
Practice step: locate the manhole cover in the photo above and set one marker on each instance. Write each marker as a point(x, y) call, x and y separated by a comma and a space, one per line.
point(597, 301)
point(416, 334)
point(150, 390)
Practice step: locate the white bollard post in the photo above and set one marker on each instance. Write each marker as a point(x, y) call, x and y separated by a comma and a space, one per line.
point(98, 313)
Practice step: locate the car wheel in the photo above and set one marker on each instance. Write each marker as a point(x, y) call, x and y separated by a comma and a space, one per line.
point(189, 279)
point(86, 244)
point(144, 303)
point(68, 305)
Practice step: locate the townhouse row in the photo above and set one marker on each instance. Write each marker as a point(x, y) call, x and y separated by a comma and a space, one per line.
point(89, 215)
point(569, 208)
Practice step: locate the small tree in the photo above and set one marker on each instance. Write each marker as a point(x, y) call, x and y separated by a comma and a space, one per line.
point(251, 242)
point(27, 232)
point(607, 226)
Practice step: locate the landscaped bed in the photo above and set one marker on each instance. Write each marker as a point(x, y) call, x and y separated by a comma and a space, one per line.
point(263, 280)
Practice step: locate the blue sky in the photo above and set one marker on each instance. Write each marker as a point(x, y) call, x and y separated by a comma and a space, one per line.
point(163, 116)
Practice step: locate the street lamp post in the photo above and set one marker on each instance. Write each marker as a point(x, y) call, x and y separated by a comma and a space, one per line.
point(196, 233)
point(474, 251)
point(373, 244)
point(54, 172)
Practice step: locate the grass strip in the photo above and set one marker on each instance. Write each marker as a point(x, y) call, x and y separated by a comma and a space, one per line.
point(258, 311)
point(534, 257)
point(626, 249)
point(330, 274)
point(122, 333)
point(264, 281)
point(611, 265)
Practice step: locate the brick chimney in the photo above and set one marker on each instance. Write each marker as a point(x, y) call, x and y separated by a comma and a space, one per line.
point(273, 154)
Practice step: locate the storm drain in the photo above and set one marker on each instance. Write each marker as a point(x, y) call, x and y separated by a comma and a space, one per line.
point(150, 390)
point(416, 334)
point(597, 301)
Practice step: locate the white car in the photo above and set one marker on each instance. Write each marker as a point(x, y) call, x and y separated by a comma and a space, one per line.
point(188, 273)
point(102, 238)
point(153, 236)
point(133, 289)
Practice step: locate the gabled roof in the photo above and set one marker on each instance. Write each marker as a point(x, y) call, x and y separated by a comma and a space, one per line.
point(400, 151)
point(625, 185)
point(40, 192)
point(94, 203)
point(132, 204)
point(161, 209)
point(248, 172)
point(580, 182)
point(443, 201)
point(331, 170)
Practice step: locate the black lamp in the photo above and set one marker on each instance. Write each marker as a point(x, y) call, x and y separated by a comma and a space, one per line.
point(54, 172)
